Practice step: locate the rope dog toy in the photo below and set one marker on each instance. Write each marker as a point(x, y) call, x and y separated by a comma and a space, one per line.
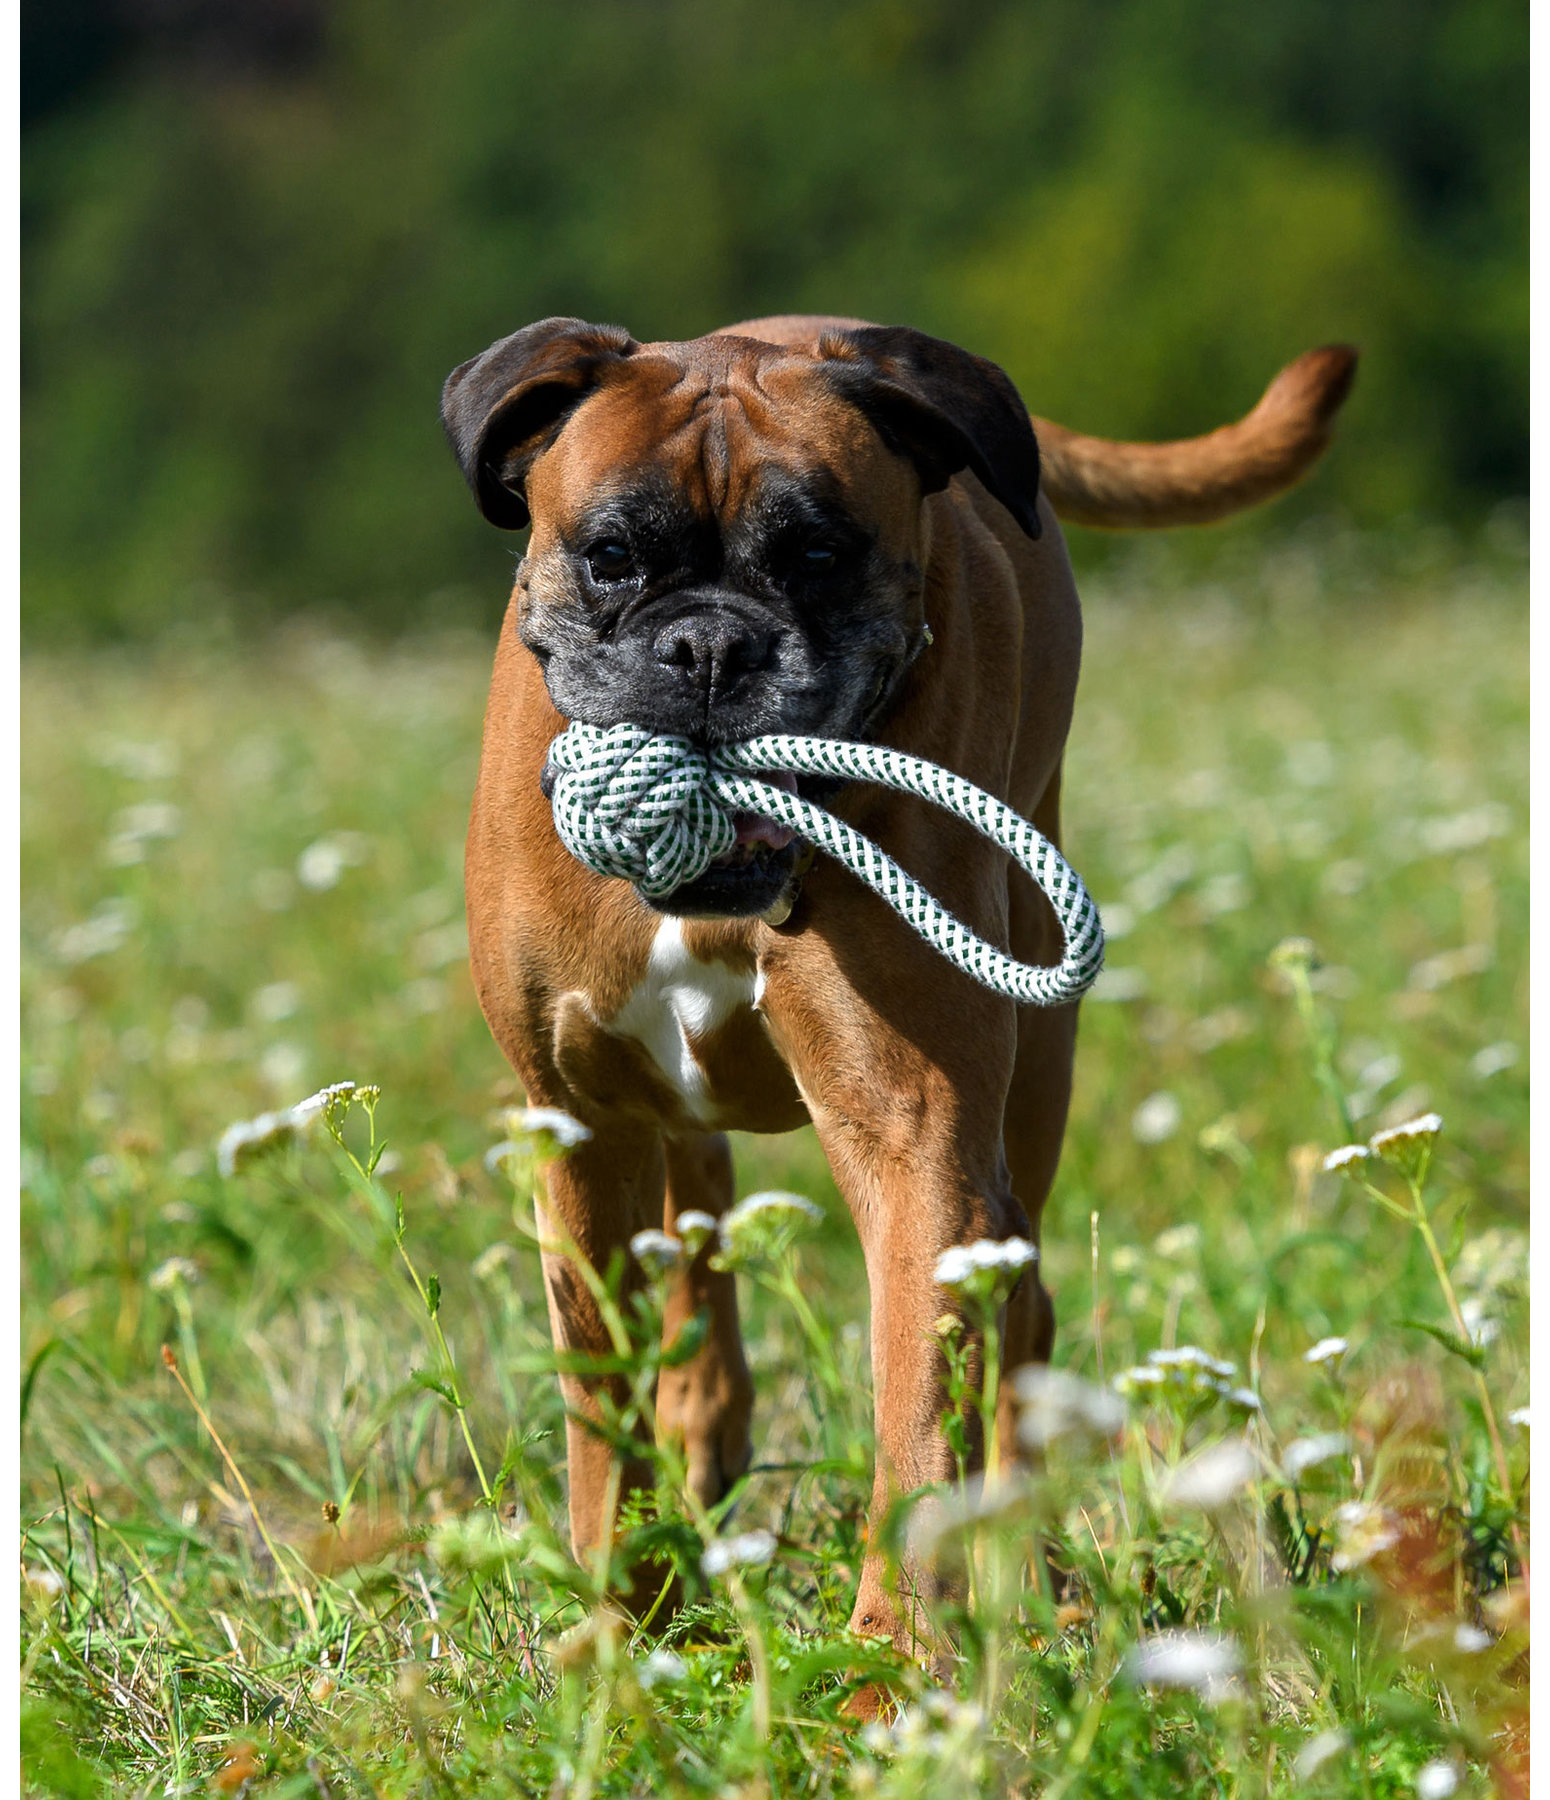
point(656, 811)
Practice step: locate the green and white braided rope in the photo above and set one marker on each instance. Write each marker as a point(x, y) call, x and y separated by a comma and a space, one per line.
point(656, 811)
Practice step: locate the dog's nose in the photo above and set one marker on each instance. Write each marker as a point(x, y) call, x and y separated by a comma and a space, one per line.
point(712, 649)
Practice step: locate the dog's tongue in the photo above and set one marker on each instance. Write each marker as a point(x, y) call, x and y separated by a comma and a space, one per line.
point(754, 828)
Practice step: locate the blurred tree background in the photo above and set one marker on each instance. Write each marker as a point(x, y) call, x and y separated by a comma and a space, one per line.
point(258, 233)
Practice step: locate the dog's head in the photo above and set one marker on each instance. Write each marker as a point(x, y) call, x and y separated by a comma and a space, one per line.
point(728, 536)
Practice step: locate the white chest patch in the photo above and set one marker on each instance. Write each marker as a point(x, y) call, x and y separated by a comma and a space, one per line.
point(680, 998)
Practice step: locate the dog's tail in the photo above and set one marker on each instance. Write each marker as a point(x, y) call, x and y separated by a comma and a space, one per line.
point(1095, 481)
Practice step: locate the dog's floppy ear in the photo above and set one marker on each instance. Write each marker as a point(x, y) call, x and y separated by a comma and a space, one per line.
point(942, 408)
point(500, 410)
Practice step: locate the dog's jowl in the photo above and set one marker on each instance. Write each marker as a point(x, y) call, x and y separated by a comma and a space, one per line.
point(818, 526)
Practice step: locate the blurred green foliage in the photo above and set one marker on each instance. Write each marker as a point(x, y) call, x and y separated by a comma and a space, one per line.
point(244, 283)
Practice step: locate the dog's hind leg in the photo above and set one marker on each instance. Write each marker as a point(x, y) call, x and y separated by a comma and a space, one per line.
point(708, 1401)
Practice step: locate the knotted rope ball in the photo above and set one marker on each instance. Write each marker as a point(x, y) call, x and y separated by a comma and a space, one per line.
point(637, 806)
point(656, 811)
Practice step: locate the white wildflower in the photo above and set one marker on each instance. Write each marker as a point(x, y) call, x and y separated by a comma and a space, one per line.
point(774, 1203)
point(938, 1725)
point(1346, 1157)
point(1306, 1453)
point(1191, 1356)
point(104, 932)
point(1493, 1059)
point(283, 1066)
point(655, 1251)
point(748, 1550)
point(139, 762)
point(427, 995)
point(1470, 1640)
point(1223, 1026)
point(44, 1582)
point(1178, 1241)
point(1318, 1751)
point(1363, 1532)
point(1212, 1477)
point(249, 1140)
point(1187, 1374)
point(327, 1100)
point(148, 819)
point(1224, 893)
point(931, 1726)
point(1156, 1118)
point(763, 1227)
point(959, 1268)
point(1156, 885)
point(1118, 984)
point(1222, 1138)
point(1519, 1417)
point(1375, 1073)
point(1434, 972)
point(1437, 1781)
point(1054, 1404)
point(1328, 1349)
point(1293, 953)
point(954, 1267)
point(1139, 1379)
point(1465, 830)
point(133, 827)
point(1424, 1125)
point(1404, 1143)
point(1206, 1662)
point(1482, 1326)
point(694, 1228)
point(321, 864)
point(548, 1131)
point(274, 1002)
point(1494, 1261)
point(661, 1667)
point(175, 1269)
point(446, 944)
point(1119, 920)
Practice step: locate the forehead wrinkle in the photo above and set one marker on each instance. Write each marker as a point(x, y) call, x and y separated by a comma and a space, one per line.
point(715, 450)
point(746, 428)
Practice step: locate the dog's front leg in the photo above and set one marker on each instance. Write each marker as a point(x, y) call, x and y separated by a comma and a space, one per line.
point(906, 1081)
point(597, 1198)
point(909, 1212)
point(708, 1401)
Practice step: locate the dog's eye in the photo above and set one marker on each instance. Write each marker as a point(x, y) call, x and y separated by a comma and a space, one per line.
point(610, 560)
point(819, 559)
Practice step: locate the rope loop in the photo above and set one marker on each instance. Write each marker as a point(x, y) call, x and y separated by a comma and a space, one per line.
point(656, 811)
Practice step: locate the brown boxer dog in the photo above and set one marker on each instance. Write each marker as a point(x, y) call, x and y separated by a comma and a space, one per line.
point(808, 525)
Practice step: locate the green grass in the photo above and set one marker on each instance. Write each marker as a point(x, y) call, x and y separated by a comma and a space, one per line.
point(1326, 739)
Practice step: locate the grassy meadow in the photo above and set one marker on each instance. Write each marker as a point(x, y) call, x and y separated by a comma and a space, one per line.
point(318, 1547)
